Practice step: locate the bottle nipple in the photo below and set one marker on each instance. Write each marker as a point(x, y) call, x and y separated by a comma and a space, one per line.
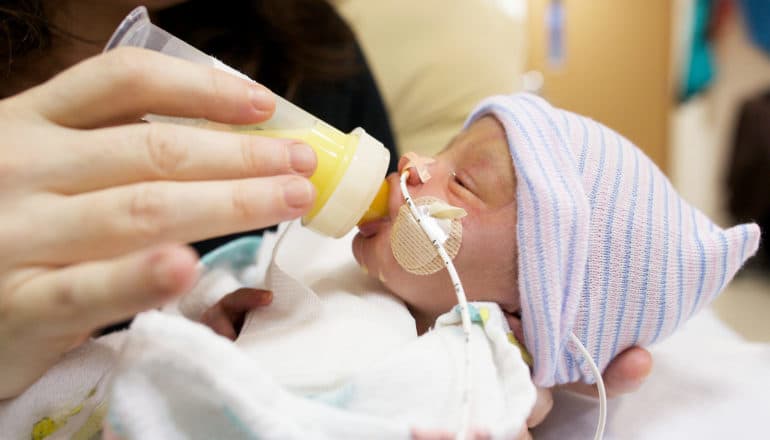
point(379, 206)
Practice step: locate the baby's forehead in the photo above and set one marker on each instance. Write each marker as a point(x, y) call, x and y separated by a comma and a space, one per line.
point(482, 152)
point(484, 138)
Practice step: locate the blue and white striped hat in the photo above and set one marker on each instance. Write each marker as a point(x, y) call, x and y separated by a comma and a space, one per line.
point(607, 249)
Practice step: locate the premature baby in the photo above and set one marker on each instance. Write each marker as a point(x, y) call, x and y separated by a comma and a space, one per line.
point(569, 226)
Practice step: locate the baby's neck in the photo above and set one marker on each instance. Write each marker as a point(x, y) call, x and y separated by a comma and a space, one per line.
point(423, 321)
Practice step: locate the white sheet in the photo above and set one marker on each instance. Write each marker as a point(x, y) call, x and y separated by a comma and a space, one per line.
point(707, 383)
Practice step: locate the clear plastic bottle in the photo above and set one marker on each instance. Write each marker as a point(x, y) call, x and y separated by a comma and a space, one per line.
point(349, 179)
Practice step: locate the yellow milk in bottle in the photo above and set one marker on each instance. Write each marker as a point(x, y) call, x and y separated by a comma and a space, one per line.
point(349, 177)
point(351, 167)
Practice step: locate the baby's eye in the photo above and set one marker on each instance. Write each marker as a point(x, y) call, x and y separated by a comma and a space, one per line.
point(458, 180)
point(462, 188)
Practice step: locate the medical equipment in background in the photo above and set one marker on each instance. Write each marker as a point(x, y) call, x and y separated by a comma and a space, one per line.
point(349, 179)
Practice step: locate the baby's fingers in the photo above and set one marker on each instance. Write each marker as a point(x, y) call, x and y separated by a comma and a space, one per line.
point(90, 295)
point(226, 317)
point(217, 320)
point(243, 300)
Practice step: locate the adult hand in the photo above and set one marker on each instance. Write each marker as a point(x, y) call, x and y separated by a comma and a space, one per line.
point(85, 199)
point(623, 375)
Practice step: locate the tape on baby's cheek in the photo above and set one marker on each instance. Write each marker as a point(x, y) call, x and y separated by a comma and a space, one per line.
point(410, 245)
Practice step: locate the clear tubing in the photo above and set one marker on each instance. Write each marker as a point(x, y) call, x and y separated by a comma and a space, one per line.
point(351, 167)
point(599, 433)
point(461, 300)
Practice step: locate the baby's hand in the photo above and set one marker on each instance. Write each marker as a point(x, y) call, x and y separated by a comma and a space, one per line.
point(226, 317)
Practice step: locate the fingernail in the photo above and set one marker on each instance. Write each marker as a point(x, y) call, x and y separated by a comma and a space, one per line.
point(302, 158)
point(261, 99)
point(298, 193)
point(267, 297)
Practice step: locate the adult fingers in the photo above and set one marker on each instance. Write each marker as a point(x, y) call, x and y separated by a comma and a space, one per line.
point(127, 83)
point(623, 375)
point(123, 219)
point(627, 371)
point(82, 297)
point(145, 152)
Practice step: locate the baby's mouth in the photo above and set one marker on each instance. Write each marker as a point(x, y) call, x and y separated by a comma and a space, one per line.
point(371, 228)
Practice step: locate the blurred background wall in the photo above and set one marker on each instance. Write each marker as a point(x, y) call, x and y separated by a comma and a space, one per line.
point(614, 62)
point(703, 131)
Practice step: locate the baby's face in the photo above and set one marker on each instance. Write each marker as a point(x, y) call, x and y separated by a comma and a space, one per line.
point(473, 172)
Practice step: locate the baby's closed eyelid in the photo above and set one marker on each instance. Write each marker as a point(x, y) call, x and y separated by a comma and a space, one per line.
point(464, 180)
point(461, 193)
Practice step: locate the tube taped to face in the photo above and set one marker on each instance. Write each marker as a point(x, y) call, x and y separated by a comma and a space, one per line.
point(411, 246)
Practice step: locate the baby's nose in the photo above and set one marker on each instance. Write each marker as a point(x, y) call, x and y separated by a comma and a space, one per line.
point(417, 166)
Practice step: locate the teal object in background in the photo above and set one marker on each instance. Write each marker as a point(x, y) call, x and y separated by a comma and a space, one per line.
point(235, 255)
point(700, 70)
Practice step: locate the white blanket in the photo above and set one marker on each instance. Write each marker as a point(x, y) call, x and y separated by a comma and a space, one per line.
point(707, 382)
point(332, 357)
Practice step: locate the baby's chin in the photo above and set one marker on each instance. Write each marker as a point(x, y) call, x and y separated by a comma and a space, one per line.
point(364, 253)
point(370, 237)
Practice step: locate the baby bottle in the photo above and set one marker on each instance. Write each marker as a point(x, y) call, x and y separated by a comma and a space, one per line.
point(349, 179)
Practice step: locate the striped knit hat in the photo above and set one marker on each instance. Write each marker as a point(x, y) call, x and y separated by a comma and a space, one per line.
point(606, 247)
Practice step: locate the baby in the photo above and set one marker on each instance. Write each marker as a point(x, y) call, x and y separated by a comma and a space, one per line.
point(569, 227)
